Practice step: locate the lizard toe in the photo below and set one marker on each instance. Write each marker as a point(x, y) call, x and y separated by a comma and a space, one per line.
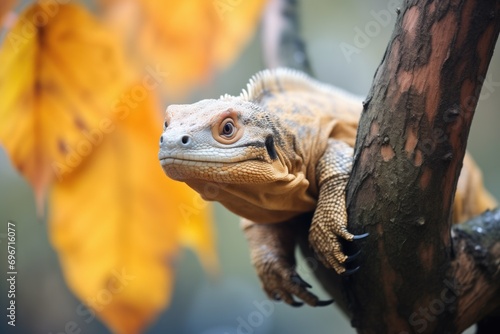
point(301, 292)
point(305, 295)
point(288, 298)
point(344, 234)
point(339, 268)
point(281, 282)
point(331, 262)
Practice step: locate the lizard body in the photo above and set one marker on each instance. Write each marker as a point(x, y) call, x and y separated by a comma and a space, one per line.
point(282, 148)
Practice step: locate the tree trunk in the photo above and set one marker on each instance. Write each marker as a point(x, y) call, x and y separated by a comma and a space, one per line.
point(411, 142)
point(418, 274)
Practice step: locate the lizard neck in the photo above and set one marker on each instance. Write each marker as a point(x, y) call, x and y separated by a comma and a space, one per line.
point(272, 202)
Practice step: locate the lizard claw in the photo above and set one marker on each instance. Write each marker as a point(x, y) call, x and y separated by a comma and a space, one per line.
point(280, 282)
point(349, 272)
point(298, 280)
point(272, 252)
point(352, 257)
point(318, 303)
point(326, 243)
point(360, 236)
point(325, 302)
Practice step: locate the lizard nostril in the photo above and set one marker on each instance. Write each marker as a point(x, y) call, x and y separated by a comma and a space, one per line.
point(161, 139)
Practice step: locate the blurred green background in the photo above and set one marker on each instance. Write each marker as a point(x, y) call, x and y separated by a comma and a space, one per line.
point(201, 305)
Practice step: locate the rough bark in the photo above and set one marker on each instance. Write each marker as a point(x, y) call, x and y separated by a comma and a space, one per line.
point(411, 142)
point(475, 269)
point(418, 274)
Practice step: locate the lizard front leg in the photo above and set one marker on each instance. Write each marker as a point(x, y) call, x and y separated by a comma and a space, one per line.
point(330, 217)
point(272, 250)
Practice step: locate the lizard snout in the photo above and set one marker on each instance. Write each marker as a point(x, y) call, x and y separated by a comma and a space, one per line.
point(182, 141)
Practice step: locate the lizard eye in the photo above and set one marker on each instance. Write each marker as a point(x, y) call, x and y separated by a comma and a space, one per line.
point(227, 128)
point(165, 125)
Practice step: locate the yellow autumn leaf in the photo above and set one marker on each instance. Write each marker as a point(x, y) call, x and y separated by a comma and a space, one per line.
point(187, 38)
point(61, 73)
point(116, 221)
point(116, 224)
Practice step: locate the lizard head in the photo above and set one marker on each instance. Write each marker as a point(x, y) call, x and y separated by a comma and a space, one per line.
point(227, 140)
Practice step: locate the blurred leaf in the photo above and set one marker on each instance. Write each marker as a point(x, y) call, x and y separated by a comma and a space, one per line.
point(120, 213)
point(117, 221)
point(186, 38)
point(61, 73)
point(5, 7)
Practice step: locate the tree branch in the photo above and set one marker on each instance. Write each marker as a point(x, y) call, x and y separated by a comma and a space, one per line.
point(476, 270)
point(282, 44)
point(416, 275)
point(409, 151)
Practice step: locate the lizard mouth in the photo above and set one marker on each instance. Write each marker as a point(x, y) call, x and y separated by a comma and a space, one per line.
point(204, 159)
point(235, 169)
point(189, 170)
point(213, 162)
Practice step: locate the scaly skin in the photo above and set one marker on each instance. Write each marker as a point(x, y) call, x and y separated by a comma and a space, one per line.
point(281, 149)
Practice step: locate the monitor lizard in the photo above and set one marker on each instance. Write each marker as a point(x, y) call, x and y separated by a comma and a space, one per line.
point(282, 148)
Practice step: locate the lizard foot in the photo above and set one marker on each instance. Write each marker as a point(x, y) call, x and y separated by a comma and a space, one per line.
point(281, 282)
point(272, 250)
point(326, 244)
